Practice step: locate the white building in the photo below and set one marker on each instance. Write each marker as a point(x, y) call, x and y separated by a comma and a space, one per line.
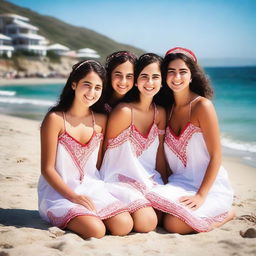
point(24, 35)
point(6, 47)
point(87, 53)
point(59, 49)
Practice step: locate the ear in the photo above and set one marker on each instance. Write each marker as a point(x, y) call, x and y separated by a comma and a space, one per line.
point(190, 81)
point(135, 85)
point(73, 86)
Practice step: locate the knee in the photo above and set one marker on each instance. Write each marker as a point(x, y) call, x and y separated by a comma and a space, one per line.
point(145, 220)
point(97, 230)
point(120, 225)
point(173, 224)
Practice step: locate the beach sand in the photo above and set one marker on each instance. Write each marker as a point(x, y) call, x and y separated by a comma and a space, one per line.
point(22, 232)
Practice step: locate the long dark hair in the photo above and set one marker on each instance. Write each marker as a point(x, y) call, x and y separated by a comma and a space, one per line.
point(200, 83)
point(113, 60)
point(144, 60)
point(79, 71)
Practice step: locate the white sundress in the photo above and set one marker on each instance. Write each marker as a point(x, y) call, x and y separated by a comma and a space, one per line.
point(188, 158)
point(76, 164)
point(128, 166)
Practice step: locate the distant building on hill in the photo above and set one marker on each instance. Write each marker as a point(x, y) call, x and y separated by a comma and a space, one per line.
point(23, 35)
point(6, 47)
point(16, 34)
point(87, 53)
point(58, 49)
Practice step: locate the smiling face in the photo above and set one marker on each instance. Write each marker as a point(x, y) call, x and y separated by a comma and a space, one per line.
point(178, 75)
point(149, 80)
point(88, 90)
point(122, 78)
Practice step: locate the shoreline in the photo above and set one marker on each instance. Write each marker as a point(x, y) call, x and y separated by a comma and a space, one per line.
point(23, 232)
point(31, 81)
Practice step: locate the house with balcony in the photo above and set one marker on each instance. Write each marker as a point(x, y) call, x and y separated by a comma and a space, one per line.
point(23, 35)
point(6, 48)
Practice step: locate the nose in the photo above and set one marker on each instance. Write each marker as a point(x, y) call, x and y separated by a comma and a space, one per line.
point(123, 81)
point(150, 80)
point(91, 91)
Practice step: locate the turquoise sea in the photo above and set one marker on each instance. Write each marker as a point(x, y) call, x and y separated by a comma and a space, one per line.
point(235, 102)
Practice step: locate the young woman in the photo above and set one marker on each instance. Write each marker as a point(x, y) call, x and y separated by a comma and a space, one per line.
point(134, 144)
point(71, 193)
point(120, 77)
point(198, 196)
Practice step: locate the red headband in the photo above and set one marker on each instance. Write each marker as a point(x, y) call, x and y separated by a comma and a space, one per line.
point(184, 51)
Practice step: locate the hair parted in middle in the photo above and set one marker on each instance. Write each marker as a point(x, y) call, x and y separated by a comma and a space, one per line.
point(113, 60)
point(144, 60)
point(200, 83)
point(79, 71)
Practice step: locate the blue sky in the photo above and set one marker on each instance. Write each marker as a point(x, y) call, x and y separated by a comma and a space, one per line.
point(212, 29)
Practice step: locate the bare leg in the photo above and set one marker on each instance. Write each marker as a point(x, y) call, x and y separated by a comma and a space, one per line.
point(145, 220)
point(87, 226)
point(174, 225)
point(119, 225)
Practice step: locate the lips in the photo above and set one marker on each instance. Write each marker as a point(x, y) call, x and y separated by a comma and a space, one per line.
point(89, 98)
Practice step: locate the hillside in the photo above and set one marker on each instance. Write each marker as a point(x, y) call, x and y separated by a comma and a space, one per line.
point(57, 31)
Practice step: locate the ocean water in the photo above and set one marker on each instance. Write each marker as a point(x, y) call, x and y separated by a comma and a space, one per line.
point(234, 99)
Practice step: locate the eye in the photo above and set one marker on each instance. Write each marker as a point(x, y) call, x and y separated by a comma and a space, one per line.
point(129, 76)
point(183, 72)
point(98, 88)
point(171, 72)
point(156, 76)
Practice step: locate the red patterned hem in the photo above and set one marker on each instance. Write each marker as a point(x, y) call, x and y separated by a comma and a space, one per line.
point(198, 224)
point(132, 182)
point(62, 221)
point(112, 210)
point(138, 204)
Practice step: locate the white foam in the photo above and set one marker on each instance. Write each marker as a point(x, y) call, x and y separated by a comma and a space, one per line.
point(238, 145)
point(20, 101)
point(7, 93)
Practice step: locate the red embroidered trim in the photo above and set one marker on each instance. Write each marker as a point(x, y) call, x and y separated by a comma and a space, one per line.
point(198, 224)
point(78, 152)
point(138, 204)
point(132, 182)
point(105, 213)
point(62, 221)
point(139, 142)
point(112, 210)
point(178, 144)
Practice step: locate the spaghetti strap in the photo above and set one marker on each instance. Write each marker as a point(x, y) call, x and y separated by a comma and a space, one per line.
point(93, 120)
point(64, 120)
point(171, 112)
point(155, 112)
point(131, 116)
point(190, 104)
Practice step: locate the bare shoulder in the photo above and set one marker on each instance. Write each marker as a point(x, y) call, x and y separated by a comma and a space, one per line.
point(101, 121)
point(161, 114)
point(203, 105)
point(122, 112)
point(53, 119)
point(53, 122)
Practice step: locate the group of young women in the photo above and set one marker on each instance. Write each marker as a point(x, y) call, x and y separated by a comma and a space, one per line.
point(153, 158)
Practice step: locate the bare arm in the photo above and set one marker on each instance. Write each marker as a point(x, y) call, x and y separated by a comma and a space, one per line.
point(51, 127)
point(101, 121)
point(118, 121)
point(161, 164)
point(209, 125)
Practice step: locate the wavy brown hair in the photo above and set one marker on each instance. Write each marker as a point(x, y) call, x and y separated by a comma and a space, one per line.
point(200, 83)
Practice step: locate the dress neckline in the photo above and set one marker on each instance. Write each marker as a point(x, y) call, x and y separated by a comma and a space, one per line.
point(77, 141)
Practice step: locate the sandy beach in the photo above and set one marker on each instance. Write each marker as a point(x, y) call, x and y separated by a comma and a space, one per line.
point(22, 232)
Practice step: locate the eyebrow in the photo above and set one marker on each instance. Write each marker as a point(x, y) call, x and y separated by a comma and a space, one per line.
point(178, 69)
point(145, 74)
point(118, 72)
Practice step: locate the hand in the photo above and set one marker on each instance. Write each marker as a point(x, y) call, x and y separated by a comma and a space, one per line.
point(192, 202)
point(83, 200)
